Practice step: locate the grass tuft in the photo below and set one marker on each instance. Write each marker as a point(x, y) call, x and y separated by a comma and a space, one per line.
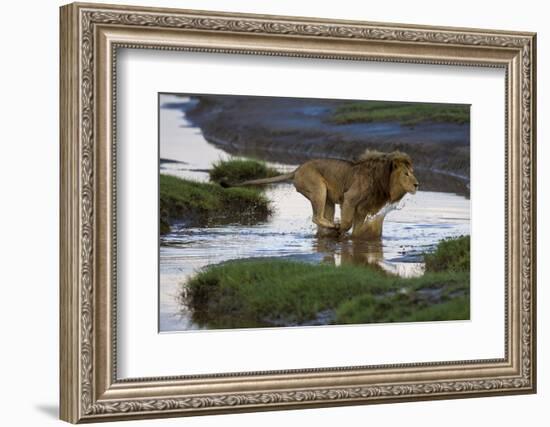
point(197, 203)
point(407, 114)
point(450, 255)
point(238, 170)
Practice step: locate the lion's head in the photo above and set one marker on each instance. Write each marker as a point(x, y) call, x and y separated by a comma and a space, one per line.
point(402, 179)
point(387, 176)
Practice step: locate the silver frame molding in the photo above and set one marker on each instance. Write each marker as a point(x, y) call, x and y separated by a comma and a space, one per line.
point(90, 37)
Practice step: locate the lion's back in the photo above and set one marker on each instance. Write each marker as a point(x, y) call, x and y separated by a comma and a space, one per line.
point(330, 169)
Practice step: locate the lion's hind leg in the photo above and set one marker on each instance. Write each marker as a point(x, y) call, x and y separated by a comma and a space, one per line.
point(311, 184)
point(329, 216)
point(318, 202)
point(315, 190)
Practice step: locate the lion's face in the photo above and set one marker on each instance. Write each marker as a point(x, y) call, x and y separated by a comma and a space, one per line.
point(402, 181)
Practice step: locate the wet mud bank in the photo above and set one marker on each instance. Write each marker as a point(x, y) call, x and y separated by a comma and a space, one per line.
point(293, 131)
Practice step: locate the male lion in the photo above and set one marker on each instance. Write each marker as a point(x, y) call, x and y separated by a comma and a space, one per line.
point(361, 188)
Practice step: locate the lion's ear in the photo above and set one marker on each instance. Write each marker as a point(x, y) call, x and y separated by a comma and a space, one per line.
point(394, 164)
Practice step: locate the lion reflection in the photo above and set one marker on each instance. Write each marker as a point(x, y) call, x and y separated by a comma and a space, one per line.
point(365, 253)
point(351, 252)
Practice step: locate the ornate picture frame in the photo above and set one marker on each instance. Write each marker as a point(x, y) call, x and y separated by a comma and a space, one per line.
point(90, 37)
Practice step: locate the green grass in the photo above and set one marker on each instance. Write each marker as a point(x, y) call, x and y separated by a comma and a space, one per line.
point(450, 255)
point(401, 308)
point(199, 203)
point(408, 114)
point(268, 292)
point(237, 170)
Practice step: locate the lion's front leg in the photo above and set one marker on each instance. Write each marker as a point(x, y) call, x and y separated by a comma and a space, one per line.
point(370, 230)
point(358, 220)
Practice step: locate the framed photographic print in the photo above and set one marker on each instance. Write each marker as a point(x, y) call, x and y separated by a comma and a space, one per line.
point(265, 212)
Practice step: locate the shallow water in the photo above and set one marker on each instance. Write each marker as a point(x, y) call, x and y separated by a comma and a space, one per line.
point(417, 224)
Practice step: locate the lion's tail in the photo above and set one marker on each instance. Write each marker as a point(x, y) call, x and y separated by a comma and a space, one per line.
point(278, 178)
